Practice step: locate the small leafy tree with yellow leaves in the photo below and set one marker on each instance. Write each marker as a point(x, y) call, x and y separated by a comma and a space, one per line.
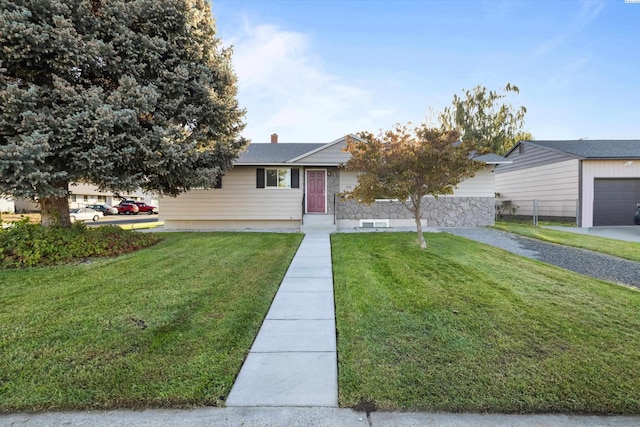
point(409, 164)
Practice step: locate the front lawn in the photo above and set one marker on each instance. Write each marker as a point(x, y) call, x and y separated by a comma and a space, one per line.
point(467, 327)
point(618, 248)
point(167, 326)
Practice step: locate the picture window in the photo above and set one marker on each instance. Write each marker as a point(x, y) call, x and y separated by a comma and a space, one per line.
point(278, 178)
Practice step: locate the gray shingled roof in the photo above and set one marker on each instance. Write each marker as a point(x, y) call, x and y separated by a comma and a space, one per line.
point(281, 153)
point(492, 159)
point(595, 149)
point(274, 153)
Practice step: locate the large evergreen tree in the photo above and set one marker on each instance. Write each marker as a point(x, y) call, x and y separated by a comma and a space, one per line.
point(123, 94)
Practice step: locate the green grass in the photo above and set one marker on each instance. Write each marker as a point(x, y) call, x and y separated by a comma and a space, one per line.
point(166, 326)
point(618, 248)
point(467, 327)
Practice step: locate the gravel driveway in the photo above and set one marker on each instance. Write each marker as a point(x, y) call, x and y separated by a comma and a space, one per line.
point(581, 261)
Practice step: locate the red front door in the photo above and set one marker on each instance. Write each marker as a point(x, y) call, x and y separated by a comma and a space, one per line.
point(315, 191)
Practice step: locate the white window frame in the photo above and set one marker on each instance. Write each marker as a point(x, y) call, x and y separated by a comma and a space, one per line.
point(277, 187)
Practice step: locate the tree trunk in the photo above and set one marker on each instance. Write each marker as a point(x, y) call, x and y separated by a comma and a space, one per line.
point(55, 211)
point(418, 217)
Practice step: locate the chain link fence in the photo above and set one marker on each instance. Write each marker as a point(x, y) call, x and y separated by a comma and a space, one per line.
point(534, 210)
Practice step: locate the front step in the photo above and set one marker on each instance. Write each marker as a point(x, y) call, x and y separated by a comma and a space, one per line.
point(318, 222)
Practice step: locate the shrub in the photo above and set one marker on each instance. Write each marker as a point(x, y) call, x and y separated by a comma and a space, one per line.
point(29, 245)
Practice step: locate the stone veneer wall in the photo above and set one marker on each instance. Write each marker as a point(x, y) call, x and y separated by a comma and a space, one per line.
point(333, 187)
point(441, 212)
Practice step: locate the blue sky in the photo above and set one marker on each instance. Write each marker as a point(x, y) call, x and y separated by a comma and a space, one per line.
point(315, 70)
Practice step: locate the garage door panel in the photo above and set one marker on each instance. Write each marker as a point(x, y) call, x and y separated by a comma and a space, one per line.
point(615, 200)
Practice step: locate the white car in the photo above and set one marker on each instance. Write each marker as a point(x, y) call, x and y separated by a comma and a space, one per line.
point(84, 214)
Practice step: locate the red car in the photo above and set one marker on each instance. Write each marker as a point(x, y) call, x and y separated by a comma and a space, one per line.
point(143, 207)
point(127, 208)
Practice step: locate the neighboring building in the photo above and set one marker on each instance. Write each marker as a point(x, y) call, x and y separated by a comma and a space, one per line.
point(282, 186)
point(7, 205)
point(82, 195)
point(598, 181)
point(86, 194)
point(25, 206)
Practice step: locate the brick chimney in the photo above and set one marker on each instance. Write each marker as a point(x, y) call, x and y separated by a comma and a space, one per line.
point(274, 138)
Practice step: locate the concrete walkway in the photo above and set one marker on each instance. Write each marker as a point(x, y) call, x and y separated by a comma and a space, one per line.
point(293, 361)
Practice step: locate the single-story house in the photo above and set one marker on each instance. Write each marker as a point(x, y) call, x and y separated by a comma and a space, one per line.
point(598, 181)
point(286, 185)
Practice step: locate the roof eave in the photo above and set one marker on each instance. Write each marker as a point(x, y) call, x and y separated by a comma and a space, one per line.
point(327, 145)
point(290, 164)
point(507, 162)
point(262, 164)
point(513, 148)
point(611, 158)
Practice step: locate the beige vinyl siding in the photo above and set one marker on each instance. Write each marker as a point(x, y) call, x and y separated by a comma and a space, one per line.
point(527, 155)
point(592, 169)
point(238, 199)
point(348, 180)
point(231, 225)
point(554, 186)
point(332, 155)
point(481, 185)
point(554, 181)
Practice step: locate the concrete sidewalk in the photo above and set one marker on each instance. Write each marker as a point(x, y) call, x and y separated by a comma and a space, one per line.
point(290, 375)
point(329, 417)
point(629, 233)
point(293, 361)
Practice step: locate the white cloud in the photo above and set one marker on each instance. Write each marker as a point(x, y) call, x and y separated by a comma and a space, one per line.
point(589, 10)
point(285, 89)
point(500, 9)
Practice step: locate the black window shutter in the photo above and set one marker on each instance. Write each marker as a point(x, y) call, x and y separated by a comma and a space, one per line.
point(218, 183)
point(260, 178)
point(295, 178)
